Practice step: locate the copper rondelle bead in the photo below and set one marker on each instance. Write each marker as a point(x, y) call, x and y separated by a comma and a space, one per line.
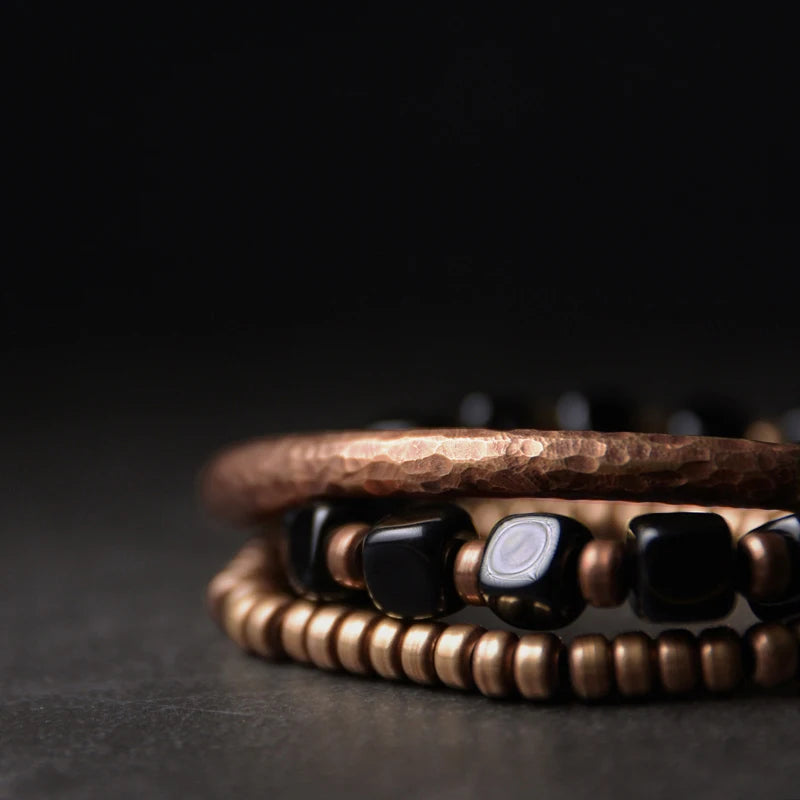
point(352, 641)
point(634, 668)
point(262, 629)
point(768, 565)
point(465, 571)
point(601, 573)
point(416, 651)
point(293, 629)
point(537, 665)
point(774, 653)
point(721, 659)
point(384, 647)
point(452, 656)
point(344, 555)
point(493, 663)
point(590, 669)
point(218, 589)
point(678, 661)
point(235, 613)
point(321, 633)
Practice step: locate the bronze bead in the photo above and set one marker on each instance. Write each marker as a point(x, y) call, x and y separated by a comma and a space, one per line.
point(601, 573)
point(321, 633)
point(536, 666)
point(235, 613)
point(721, 659)
point(762, 430)
point(416, 651)
point(293, 628)
point(452, 656)
point(768, 564)
point(251, 558)
point(774, 652)
point(384, 647)
point(678, 661)
point(465, 571)
point(493, 663)
point(352, 641)
point(590, 667)
point(262, 629)
point(634, 667)
point(218, 589)
point(344, 555)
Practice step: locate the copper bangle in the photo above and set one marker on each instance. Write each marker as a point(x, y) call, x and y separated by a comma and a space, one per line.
point(262, 477)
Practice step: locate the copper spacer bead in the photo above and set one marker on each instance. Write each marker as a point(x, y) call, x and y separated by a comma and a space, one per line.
point(721, 659)
point(493, 663)
point(352, 641)
point(416, 651)
point(452, 656)
point(320, 635)
point(220, 586)
point(762, 430)
point(768, 564)
point(601, 573)
point(537, 665)
point(590, 668)
point(384, 647)
point(262, 628)
point(465, 571)
point(774, 651)
point(678, 661)
point(344, 554)
point(634, 655)
point(293, 627)
point(234, 615)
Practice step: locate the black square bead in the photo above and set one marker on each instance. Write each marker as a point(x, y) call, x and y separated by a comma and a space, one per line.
point(408, 561)
point(683, 567)
point(529, 572)
point(308, 529)
point(788, 606)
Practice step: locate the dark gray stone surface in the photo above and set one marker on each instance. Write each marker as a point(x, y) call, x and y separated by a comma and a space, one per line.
point(115, 684)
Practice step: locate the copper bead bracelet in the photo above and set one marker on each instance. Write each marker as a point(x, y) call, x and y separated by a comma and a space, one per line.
point(252, 601)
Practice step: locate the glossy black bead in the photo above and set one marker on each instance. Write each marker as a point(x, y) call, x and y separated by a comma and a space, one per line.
point(788, 606)
point(408, 561)
point(683, 567)
point(529, 572)
point(308, 529)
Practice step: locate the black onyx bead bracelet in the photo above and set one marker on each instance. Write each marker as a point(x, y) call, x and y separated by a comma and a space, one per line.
point(381, 541)
point(537, 571)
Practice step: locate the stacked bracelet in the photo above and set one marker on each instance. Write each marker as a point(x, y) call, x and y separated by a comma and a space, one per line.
point(418, 562)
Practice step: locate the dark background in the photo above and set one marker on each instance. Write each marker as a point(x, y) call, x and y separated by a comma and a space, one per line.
point(222, 223)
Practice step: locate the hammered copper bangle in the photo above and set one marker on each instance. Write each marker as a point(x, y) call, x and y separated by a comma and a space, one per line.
point(256, 479)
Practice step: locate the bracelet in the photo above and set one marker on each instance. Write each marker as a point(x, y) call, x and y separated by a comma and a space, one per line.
point(250, 601)
point(268, 475)
point(537, 569)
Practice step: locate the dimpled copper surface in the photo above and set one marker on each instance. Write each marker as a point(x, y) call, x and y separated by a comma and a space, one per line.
point(256, 478)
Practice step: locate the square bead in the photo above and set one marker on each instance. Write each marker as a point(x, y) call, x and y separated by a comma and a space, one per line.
point(529, 572)
point(408, 561)
point(683, 567)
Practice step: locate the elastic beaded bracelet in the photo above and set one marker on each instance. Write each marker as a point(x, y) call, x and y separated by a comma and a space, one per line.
point(536, 569)
point(266, 621)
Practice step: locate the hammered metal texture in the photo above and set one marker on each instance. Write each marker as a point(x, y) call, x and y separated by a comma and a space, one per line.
point(260, 477)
